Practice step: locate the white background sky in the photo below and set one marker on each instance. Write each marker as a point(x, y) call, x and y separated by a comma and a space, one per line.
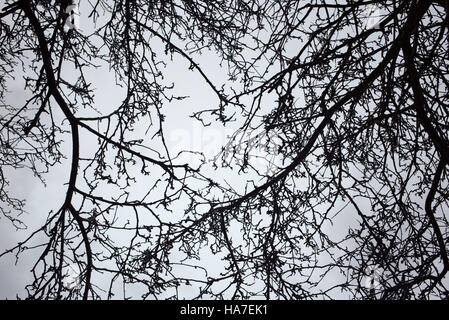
point(181, 132)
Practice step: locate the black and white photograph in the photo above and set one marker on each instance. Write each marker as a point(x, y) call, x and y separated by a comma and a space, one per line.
point(241, 151)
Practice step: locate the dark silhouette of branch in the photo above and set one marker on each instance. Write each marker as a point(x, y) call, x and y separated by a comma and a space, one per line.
point(333, 183)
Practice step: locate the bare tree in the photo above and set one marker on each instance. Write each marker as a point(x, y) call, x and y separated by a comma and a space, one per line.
point(356, 93)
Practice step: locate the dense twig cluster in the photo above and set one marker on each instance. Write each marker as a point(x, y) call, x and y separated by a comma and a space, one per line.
point(360, 114)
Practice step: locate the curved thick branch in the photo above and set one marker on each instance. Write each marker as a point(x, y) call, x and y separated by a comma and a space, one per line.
point(53, 90)
point(420, 103)
point(430, 214)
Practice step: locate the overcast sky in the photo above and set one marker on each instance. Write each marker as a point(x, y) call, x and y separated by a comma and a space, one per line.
point(182, 133)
